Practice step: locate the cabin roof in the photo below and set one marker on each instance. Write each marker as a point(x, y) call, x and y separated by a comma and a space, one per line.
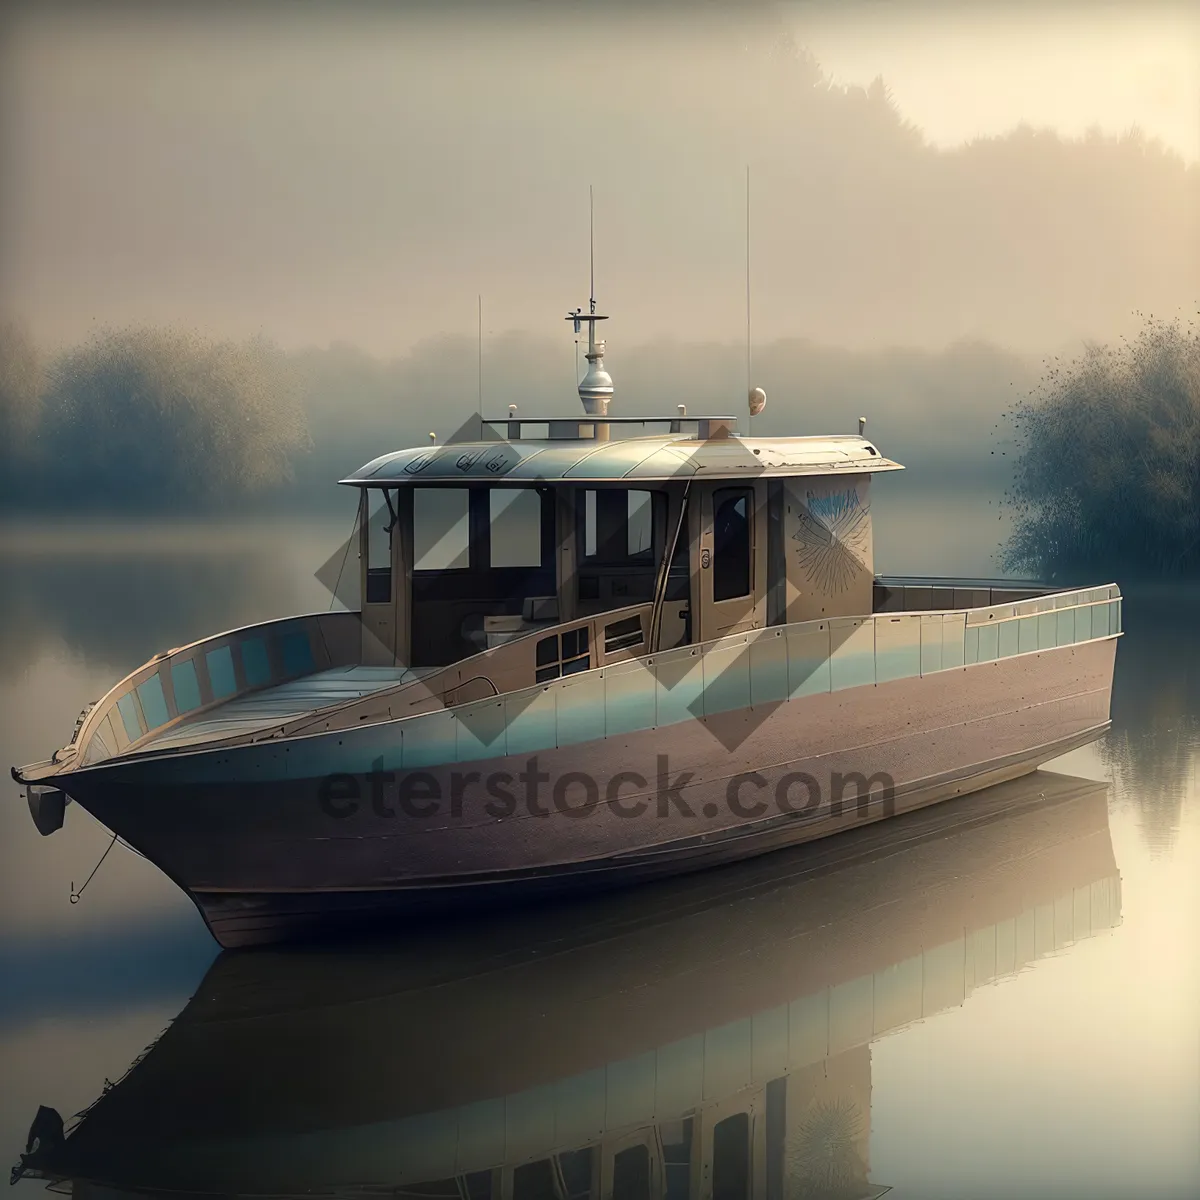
point(645, 459)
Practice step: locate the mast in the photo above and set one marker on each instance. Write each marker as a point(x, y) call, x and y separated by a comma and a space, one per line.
point(596, 387)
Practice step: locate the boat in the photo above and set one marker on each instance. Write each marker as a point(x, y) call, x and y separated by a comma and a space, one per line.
point(713, 1042)
point(590, 651)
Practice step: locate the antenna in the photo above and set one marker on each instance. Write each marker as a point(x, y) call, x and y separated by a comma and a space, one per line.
point(481, 354)
point(749, 379)
point(756, 398)
point(595, 388)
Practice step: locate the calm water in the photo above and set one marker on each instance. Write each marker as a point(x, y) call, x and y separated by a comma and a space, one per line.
point(998, 997)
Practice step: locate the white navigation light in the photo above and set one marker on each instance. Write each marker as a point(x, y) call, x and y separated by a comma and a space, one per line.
point(758, 401)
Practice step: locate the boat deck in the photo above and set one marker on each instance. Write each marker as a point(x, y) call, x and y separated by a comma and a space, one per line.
point(273, 706)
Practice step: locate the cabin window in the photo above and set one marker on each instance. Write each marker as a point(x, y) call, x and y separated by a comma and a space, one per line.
point(515, 520)
point(441, 529)
point(617, 525)
point(732, 513)
point(639, 530)
point(562, 654)
point(619, 537)
point(623, 634)
point(380, 523)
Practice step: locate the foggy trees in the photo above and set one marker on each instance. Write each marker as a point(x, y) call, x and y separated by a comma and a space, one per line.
point(1108, 473)
point(155, 421)
point(150, 420)
point(20, 383)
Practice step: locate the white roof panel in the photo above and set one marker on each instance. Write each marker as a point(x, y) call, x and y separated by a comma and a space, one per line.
point(658, 458)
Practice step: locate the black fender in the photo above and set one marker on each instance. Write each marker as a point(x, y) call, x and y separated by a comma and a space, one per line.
point(47, 806)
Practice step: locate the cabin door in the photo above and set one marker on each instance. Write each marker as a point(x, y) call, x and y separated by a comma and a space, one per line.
point(729, 544)
point(385, 527)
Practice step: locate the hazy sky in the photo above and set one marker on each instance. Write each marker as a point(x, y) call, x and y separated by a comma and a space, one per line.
point(959, 73)
point(362, 173)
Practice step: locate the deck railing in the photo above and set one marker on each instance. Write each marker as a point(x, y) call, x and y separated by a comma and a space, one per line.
point(767, 667)
point(762, 667)
point(204, 674)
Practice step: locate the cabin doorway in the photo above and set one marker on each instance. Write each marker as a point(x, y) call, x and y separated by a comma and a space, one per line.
point(385, 525)
point(730, 538)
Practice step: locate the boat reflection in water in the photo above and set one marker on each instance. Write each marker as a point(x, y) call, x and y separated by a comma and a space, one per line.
point(704, 1038)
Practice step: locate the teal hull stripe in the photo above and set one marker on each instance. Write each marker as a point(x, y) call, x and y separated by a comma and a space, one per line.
point(765, 667)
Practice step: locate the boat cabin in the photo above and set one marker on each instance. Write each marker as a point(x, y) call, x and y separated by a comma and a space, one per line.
point(680, 535)
point(674, 536)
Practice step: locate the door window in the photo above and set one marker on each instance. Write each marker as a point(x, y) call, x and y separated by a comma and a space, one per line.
point(732, 514)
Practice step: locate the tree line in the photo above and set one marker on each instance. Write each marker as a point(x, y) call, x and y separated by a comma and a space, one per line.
point(1101, 457)
point(153, 422)
point(1107, 461)
point(145, 421)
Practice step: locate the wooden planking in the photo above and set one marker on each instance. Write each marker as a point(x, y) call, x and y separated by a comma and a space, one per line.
point(271, 706)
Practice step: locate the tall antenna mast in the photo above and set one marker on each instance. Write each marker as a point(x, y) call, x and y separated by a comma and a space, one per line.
point(592, 248)
point(481, 355)
point(749, 379)
point(756, 398)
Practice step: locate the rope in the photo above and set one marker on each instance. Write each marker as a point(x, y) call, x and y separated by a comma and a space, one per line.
point(76, 894)
point(345, 555)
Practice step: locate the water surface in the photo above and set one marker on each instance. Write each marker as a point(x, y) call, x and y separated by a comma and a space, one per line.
point(953, 1009)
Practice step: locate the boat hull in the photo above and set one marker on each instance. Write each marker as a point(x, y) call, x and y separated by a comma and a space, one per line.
point(297, 839)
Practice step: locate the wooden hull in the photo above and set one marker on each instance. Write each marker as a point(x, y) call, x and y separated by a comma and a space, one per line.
point(304, 837)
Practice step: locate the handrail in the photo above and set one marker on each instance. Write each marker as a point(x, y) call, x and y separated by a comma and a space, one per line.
point(445, 680)
point(103, 708)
